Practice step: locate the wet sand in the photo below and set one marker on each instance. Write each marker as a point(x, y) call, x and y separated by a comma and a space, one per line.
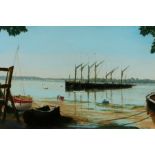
point(75, 117)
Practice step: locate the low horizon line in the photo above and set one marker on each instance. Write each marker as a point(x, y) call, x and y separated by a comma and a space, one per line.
point(63, 78)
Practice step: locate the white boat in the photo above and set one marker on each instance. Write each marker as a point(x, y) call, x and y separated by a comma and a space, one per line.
point(21, 106)
point(21, 102)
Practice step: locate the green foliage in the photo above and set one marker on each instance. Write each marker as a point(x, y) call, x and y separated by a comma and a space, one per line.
point(146, 30)
point(14, 30)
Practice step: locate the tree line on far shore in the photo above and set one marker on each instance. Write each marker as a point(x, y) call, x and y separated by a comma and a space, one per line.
point(34, 78)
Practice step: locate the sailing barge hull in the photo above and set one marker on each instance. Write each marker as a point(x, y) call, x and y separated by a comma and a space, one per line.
point(71, 85)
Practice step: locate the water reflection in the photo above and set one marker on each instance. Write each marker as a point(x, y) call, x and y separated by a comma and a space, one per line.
point(122, 98)
point(89, 99)
point(75, 100)
point(134, 96)
point(93, 100)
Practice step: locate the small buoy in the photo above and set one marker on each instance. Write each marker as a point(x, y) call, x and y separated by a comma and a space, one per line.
point(105, 101)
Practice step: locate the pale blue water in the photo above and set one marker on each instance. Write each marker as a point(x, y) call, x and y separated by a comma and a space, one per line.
point(134, 96)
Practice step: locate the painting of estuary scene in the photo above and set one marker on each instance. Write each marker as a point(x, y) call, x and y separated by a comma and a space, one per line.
point(75, 77)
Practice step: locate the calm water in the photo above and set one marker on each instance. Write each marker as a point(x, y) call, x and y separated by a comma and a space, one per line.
point(134, 96)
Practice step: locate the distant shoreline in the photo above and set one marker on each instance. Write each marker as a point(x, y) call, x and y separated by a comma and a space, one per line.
point(130, 80)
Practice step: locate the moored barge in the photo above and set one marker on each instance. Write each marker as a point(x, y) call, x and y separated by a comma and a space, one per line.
point(72, 85)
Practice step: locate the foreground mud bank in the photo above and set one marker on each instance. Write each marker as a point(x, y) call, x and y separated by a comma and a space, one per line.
point(75, 117)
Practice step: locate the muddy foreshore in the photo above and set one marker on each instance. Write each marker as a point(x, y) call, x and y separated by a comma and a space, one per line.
point(73, 117)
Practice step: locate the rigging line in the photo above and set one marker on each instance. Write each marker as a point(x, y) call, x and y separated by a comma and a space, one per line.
point(15, 58)
point(20, 72)
point(126, 117)
point(14, 61)
point(137, 121)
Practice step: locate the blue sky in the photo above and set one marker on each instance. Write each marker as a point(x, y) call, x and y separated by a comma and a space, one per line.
point(54, 51)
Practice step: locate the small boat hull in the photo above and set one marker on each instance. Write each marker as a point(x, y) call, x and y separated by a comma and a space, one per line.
point(22, 99)
point(22, 102)
point(21, 106)
point(150, 100)
point(42, 116)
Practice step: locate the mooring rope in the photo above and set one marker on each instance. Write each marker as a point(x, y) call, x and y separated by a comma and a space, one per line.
point(136, 121)
point(126, 116)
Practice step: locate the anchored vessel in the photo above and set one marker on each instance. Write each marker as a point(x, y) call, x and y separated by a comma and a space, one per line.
point(81, 84)
point(71, 85)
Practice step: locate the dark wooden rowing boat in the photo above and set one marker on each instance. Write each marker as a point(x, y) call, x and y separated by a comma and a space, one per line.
point(150, 99)
point(42, 116)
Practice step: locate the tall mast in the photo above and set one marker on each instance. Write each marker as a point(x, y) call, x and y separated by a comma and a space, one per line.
point(89, 67)
point(110, 73)
point(82, 67)
point(122, 72)
point(96, 65)
point(76, 67)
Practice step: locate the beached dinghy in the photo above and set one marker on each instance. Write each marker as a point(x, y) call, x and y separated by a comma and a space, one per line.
point(42, 116)
point(22, 102)
point(150, 98)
